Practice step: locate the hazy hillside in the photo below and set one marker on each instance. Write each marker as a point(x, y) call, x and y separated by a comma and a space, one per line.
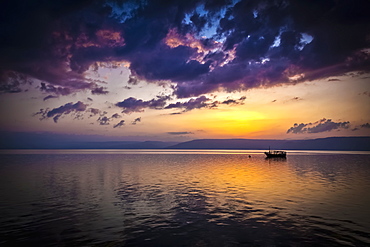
point(331, 143)
point(55, 141)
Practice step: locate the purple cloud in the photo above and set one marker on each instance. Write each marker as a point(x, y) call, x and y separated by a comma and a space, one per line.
point(298, 128)
point(197, 103)
point(322, 125)
point(53, 89)
point(132, 104)
point(11, 82)
point(99, 90)
point(167, 63)
point(255, 43)
point(93, 112)
point(66, 109)
point(103, 120)
point(239, 101)
point(203, 102)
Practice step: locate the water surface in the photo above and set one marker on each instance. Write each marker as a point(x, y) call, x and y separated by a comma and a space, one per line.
point(183, 198)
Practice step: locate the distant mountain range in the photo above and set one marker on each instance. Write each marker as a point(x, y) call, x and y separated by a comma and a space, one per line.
point(46, 144)
point(330, 143)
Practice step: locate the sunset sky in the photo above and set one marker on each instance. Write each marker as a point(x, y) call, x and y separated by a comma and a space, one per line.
point(182, 70)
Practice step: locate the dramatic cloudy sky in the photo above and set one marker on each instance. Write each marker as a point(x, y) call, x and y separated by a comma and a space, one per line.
point(180, 70)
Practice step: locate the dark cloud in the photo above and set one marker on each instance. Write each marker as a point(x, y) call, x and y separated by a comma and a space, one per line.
point(10, 87)
point(167, 63)
point(203, 102)
point(197, 103)
point(42, 113)
point(93, 111)
point(99, 90)
point(136, 120)
point(298, 128)
point(322, 125)
point(132, 80)
point(103, 120)
point(39, 40)
point(78, 110)
point(53, 89)
point(119, 124)
point(132, 104)
point(66, 109)
point(180, 133)
point(259, 43)
point(234, 102)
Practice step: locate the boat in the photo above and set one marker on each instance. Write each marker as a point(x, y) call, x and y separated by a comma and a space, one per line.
point(275, 154)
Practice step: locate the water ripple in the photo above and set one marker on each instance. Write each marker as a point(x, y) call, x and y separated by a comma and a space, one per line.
point(168, 199)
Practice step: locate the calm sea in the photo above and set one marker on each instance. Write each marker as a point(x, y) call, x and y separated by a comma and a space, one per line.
point(183, 198)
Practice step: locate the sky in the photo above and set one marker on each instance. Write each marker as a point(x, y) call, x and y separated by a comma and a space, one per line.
point(183, 70)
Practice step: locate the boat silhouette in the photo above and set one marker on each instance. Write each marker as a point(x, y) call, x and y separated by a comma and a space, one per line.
point(275, 154)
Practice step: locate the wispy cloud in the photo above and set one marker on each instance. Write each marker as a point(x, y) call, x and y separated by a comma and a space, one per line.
point(119, 124)
point(116, 115)
point(49, 97)
point(180, 133)
point(136, 120)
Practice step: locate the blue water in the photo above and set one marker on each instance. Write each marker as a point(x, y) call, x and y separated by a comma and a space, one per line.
point(183, 198)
